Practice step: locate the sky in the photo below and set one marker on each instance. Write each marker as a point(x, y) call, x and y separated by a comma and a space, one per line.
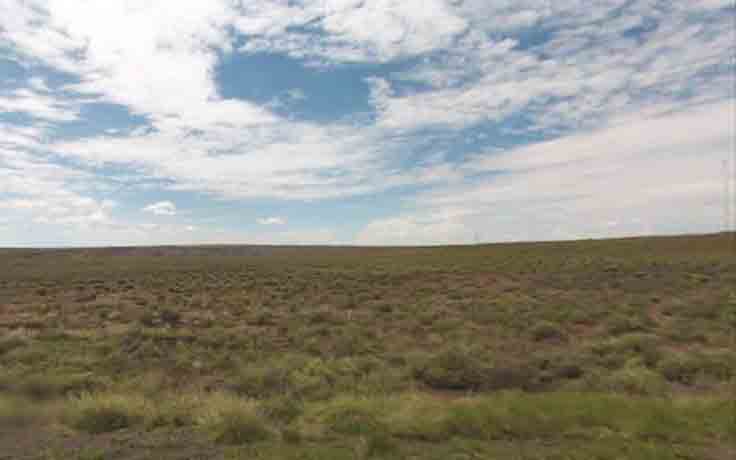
point(384, 122)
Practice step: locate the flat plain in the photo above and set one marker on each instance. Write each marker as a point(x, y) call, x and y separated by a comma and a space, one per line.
point(595, 349)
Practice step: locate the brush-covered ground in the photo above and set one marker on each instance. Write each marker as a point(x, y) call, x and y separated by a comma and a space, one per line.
point(616, 349)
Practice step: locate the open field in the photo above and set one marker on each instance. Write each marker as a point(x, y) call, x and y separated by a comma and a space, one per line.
point(579, 350)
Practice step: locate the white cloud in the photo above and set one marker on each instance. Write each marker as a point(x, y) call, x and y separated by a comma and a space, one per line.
point(33, 189)
point(174, 43)
point(161, 208)
point(688, 132)
point(271, 221)
point(651, 175)
point(351, 30)
point(588, 72)
point(38, 106)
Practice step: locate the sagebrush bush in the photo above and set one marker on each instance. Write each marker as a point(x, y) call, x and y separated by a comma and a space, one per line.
point(283, 409)
point(10, 344)
point(545, 331)
point(615, 352)
point(362, 417)
point(262, 381)
point(624, 324)
point(232, 420)
point(685, 368)
point(50, 386)
point(235, 426)
point(453, 369)
point(98, 413)
point(680, 369)
point(635, 380)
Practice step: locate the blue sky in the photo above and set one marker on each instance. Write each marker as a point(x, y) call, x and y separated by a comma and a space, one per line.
point(363, 122)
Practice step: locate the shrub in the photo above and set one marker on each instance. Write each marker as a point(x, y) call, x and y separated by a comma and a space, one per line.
point(680, 369)
point(510, 375)
point(353, 420)
point(546, 331)
point(545, 370)
point(45, 386)
point(105, 413)
point(10, 343)
point(685, 368)
point(235, 426)
point(170, 317)
point(615, 352)
point(316, 378)
point(379, 443)
point(623, 324)
point(284, 409)
point(453, 369)
point(719, 365)
point(232, 420)
point(291, 435)
point(261, 381)
point(149, 319)
point(361, 417)
point(635, 380)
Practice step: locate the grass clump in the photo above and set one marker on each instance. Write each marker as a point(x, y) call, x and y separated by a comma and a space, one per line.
point(688, 368)
point(100, 413)
point(261, 381)
point(362, 417)
point(453, 369)
point(353, 416)
point(635, 380)
point(615, 352)
point(283, 409)
point(233, 420)
point(625, 324)
point(586, 416)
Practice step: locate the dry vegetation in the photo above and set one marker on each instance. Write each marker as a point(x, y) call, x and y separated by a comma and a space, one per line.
point(582, 350)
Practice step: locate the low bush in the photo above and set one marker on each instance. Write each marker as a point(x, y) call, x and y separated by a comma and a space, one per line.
point(635, 380)
point(10, 344)
point(261, 381)
point(453, 369)
point(235, 426)
point(232, 420)
point(546, 331)
point(686, 368)
point(282, 409)
point(625, 324)
point(46, 386)
point(613, 353)
point(105, 413)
